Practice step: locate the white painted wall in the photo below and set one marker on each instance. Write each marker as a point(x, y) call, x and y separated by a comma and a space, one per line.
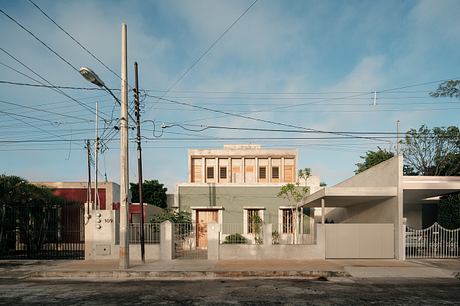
point(358, 241)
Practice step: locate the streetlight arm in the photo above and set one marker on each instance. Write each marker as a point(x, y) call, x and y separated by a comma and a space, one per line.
point(116, 99)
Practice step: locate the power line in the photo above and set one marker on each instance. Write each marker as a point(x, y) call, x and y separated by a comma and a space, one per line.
point(74, 39)
point(45, 111)
point(252, 118)
point(48, 86)
point(53, 87)
point(38, 39)
point(208, 49)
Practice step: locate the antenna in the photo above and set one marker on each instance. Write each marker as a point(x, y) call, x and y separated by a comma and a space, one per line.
point(375, 98)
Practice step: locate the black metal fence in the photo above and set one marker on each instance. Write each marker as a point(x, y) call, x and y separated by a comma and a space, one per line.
point(42, 231)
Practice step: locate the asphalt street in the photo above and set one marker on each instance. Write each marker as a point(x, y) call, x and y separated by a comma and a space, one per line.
point(339, 291)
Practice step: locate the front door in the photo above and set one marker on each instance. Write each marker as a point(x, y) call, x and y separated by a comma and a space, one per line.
point(203, 217)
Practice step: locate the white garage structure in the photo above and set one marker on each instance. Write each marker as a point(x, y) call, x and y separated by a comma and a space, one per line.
point(370, 209)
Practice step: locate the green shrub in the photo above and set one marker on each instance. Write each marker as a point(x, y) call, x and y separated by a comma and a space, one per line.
point(235, 239)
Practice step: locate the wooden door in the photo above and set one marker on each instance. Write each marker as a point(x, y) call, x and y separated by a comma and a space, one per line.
point(203, 217)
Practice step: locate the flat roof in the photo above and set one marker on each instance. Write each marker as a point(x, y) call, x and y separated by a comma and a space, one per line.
point(348, 196)
point(415, 189)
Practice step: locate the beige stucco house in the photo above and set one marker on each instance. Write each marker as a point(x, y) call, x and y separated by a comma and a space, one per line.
point(234, 184)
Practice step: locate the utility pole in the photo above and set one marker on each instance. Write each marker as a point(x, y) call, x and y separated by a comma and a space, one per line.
point(124, 171)
point(397, 137)
point(139, 156)
point(88, 196)
point(96, 161)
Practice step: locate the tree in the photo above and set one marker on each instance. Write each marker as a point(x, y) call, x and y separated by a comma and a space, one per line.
point(153, 193)
point(173, 216)
point(449, 88)
point(449, 211)
point(294, 194)
point(433, 152)
point(304, 173)
point(373, 158)
point(28, 208)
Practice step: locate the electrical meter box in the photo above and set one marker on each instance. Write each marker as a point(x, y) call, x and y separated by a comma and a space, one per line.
point(102, 234)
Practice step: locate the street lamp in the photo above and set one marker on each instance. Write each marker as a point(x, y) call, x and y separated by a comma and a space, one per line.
point(91, 76)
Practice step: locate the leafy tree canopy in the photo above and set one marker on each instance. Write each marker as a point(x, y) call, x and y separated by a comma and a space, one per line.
point(292, 192)
point(304, 173)
point(15, 191)
point(153, 193)
point(173, 216)
point(373, 158)
point(449, 211)
point(449, 88)
point(433, 151)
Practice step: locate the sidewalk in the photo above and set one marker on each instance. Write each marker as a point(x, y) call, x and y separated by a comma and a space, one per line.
point(207, 269)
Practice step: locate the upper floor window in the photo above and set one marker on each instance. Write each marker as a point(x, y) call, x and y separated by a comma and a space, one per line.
point(223, 172)
point(263, 172)
point(210, 172)
point(275, 172)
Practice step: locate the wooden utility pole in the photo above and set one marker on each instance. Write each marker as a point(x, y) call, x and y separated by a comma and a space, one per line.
point(139, 156)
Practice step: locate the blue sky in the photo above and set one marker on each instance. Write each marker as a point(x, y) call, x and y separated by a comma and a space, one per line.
point(311, 64)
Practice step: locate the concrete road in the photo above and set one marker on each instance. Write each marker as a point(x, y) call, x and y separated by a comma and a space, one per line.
point(339, 291)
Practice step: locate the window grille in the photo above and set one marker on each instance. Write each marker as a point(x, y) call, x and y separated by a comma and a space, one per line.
point(210, 172)
point(223, 172)
point(275, 172)
point(262, 173)
point(287, 226)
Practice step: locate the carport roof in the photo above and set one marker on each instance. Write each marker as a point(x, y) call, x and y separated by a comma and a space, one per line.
point(415, 188)
point(348, 196)
point(419, 188)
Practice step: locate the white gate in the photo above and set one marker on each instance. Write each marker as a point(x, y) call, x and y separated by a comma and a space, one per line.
point(432, 242)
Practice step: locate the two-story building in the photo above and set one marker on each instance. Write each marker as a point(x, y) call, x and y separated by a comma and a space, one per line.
point(235, 184)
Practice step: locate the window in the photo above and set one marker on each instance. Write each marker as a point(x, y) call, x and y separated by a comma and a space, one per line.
point(210, 172)
point(275, 172)
point(223, 172)
point(263, 173)
point(254, 221)
point(287, 225)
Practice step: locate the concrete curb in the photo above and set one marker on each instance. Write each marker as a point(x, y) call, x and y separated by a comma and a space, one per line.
point(185, 275)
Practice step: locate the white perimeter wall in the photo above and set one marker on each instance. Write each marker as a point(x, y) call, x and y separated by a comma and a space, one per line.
point(359, 241)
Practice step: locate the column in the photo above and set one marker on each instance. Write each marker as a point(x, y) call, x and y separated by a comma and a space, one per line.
point(269, 170)
point(257, 169)
point(166, 240)
point(216, 169)
point(213, 241)
point(229, 170)
point(322, 211)
point(203, 170)
point(282, 170)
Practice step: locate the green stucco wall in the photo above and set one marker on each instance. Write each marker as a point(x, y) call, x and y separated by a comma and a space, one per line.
point(234, 199)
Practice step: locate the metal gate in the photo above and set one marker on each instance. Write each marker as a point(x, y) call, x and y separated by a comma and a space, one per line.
point(186, 238)
point(49, 231)
point(432, 242)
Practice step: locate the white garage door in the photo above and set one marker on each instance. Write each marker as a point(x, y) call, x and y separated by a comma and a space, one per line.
point(359, 241)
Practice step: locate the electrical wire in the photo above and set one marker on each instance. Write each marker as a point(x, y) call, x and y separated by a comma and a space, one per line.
point(48, 82)
point(74, 39)
point(39, 40)
point(208, 49)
